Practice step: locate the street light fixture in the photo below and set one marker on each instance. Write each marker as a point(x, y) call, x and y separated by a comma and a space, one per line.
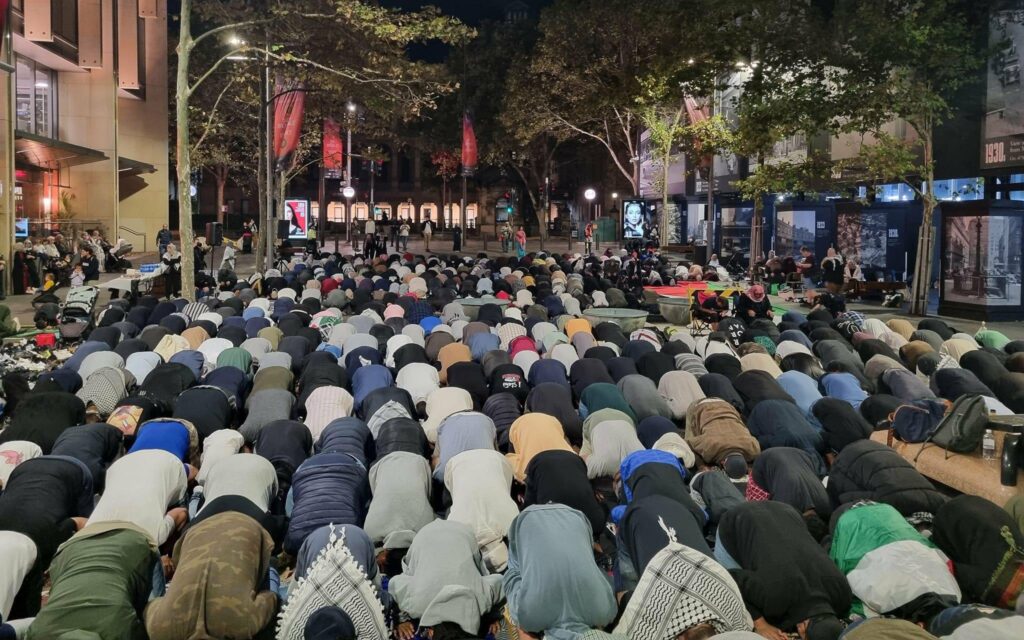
point(352, 107)
point(615, 195)
point(590, 194)
point(349, 193)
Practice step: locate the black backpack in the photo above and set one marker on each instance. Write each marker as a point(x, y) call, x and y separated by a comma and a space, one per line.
point(963, 428)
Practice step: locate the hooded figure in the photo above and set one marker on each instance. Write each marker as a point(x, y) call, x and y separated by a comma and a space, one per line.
point(715, 430)
point(556, 401)
point(480, 484)
point(679, 389)
point(42, 417)
point(643, 397)
point(286, 444)
point(96, 445)
point(777, 423)
point(39, 501)
point(100, 582)
point(869, 470)
point(611, 441)
point(219, 568)
point(530, 435)
point(680, 590)
point(892, 569)
point(560, 476)
point(984, 543)
point(463, 431)
point(585, 372)
point(757, 386)
point(400, 484)
point(552, 584)
point(604, 396)
point(844, 386)
point(785, 577)
point(791, 475)
point(841, 424)
point(444, 579)
point(327, 488)
point(141, 488)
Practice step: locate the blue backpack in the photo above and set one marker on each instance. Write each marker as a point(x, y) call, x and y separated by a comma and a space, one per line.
point(915, 422)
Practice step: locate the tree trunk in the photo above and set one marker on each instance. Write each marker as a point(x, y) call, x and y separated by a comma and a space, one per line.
point(221, 176)
point(444, 204)
point(925, 239)
point(183, 156)
point(756, 227)
point(261, 188)
point(663, 226)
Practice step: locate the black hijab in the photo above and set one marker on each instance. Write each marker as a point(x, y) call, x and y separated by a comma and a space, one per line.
point(470, 376)
point(953, 383)
point(96, 445)
point(619, 367)
point(42, 417)
point(656, 364)
point(968, 529)
point(725, 364)
point(165, 382)
point(602, 353)
point(503, 409)
point(756, 386)
point(561, 477)
point(286, 444)
point(588, 371)
point(875, 347)
point(715, 385)
point(402, 434)
point(841, 424)
point(555, 400)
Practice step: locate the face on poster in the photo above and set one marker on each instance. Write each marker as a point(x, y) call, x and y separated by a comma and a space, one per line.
point(637, 219)
point(297, 214)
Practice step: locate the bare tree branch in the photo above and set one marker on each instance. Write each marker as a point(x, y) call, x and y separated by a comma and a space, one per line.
point(213, 112)
point(234, 52)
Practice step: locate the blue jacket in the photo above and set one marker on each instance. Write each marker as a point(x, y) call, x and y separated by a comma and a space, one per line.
point(327, 488)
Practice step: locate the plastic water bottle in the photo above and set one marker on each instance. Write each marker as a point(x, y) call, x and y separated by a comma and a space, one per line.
point(988, 445)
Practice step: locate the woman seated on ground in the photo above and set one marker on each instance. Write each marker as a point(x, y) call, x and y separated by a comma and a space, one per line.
point(754, 304)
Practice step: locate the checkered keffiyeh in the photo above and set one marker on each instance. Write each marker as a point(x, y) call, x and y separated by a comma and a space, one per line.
point(755, 493)
point(680, 589)
point(334, 579)
point(389, 410)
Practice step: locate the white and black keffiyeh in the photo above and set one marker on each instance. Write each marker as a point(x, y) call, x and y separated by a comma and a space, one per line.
point(335, 579)
point(389, 410)
point(680, 589)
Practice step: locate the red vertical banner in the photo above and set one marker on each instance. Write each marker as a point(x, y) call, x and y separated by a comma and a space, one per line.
point(333, 148)
point(469, 152)
point(289, 104)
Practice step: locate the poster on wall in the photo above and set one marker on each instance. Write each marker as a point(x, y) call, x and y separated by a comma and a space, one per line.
point(296, 212)
point(735, 225)
point(1003, 139)
point(872, 239)
point(638, 220)
point(794, 229)
point(982, 261)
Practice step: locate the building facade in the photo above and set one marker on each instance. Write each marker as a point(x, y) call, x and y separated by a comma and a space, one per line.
point(83, 119)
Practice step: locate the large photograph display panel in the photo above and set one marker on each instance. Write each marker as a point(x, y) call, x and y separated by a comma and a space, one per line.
point(794, 229)
point(982, 260)
point(1003, 143)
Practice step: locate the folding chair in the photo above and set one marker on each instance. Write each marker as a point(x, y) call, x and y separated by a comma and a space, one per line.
point(701, 319)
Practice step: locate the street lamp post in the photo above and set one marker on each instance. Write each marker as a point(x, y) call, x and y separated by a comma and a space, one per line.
point(590, 195)
point(348, 192)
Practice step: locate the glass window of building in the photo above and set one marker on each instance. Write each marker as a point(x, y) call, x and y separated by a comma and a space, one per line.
point(35, 99)
point(64, 18)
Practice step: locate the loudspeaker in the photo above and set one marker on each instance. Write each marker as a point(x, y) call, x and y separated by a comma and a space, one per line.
point(282, 229)
point(214, 234)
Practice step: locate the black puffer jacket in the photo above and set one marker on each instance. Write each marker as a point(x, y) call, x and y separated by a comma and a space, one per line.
point(869, 470)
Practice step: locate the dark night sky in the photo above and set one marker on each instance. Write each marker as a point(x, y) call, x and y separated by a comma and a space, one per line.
point(470, 11)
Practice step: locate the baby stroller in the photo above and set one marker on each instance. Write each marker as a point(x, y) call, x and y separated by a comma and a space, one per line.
point(115, 259)
point(76, 317)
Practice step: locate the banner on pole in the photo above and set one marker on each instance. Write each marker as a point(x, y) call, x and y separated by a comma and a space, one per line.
point(469, 151)
point(289, 105)
point(334, 149)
